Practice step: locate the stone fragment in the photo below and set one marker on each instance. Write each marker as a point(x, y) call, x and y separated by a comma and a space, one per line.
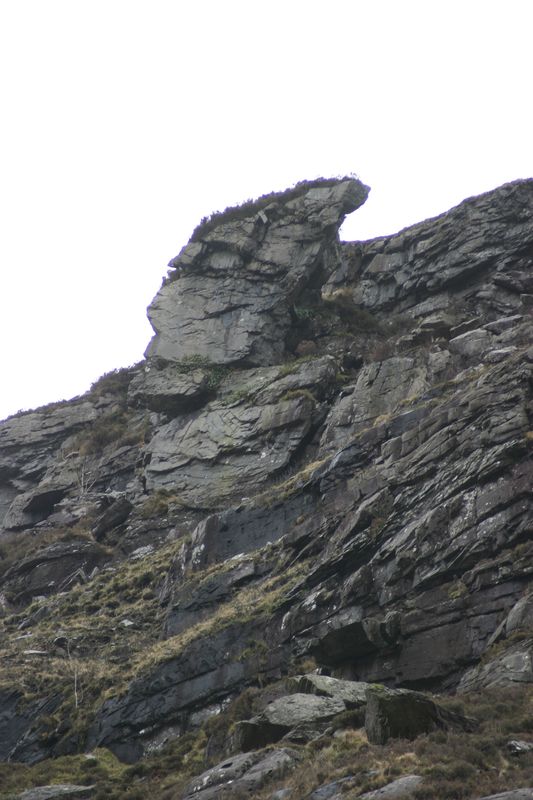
point(495, 356)
point(402, 714)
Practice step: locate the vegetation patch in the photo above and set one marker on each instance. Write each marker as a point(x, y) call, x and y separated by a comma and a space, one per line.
point(215, 372)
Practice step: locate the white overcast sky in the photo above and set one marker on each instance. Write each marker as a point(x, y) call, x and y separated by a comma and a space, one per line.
point(123, 122)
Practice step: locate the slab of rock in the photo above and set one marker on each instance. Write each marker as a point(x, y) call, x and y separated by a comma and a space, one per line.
point(520, 616)
point(513, 794)
point(461, 248)
point(351, 693)
point(402, 714)
point(59, 791)
point(402, 787)
point(283, 715)
point(168, 389)
point(245, 772)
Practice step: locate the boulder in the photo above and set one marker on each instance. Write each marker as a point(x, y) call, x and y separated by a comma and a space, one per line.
point(242, 438)
point(400, 788)
point(403, 714)
point(282, 716)
point(246, 772)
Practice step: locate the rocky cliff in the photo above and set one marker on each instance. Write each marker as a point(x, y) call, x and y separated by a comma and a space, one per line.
point(317, 481)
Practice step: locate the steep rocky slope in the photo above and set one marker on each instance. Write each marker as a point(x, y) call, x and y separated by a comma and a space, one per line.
point(324, 461)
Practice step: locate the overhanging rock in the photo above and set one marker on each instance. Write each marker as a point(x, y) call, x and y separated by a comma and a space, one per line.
point(229, 294)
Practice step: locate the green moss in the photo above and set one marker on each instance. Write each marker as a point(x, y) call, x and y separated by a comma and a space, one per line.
point(294, 394)
point(215, 372)
point(457, 590)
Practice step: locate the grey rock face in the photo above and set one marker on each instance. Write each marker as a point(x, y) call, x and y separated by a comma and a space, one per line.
point(476, 245)
point(369, 505)
point(380, 389)
point(229, 294)
point(234, 445)
point(282, 716)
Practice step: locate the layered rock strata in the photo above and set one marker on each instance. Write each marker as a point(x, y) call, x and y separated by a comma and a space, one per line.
point(325, 456)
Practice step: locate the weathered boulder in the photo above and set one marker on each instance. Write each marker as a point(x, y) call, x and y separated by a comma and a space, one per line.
point(229, 294)
point(402, 714)
point(400, 788)
point(282, 716)
point(242, 773)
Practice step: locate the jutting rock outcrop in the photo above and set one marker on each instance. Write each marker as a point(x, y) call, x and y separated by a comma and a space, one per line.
point(229, 293)
point(310, 504)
